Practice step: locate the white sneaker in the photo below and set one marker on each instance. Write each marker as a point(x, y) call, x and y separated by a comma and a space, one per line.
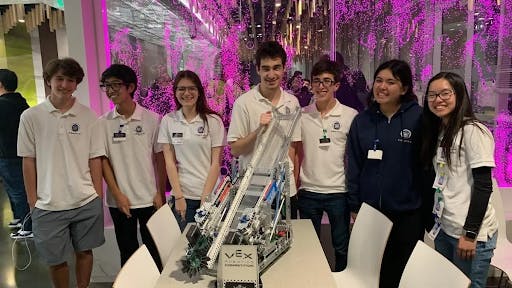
point(22, 234)
point(15, 223)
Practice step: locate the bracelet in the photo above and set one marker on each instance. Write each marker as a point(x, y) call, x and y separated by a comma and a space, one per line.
point(179, 198)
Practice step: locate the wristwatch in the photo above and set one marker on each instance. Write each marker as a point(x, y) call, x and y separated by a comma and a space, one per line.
point(470, 234)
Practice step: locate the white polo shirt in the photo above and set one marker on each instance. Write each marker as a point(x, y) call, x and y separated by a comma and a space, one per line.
point(62, 144)
point(323, 168)
point(192, 142)
point(245, 118)
point(477, 150)
point(131, 156)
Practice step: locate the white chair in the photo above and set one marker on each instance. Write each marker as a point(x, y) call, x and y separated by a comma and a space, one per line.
point(427, 268)
point(139, 271)
point(165, 231)
point(502, 258)
point(365, 250)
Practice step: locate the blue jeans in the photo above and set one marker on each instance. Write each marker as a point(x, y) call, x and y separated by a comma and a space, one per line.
point(11, 172)
point(192, 206)
point(477, 268)
point(312, 206)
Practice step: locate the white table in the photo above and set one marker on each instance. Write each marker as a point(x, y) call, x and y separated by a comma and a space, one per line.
point(303, 265)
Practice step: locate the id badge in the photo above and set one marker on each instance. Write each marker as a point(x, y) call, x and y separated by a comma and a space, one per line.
point(435, 230)
point(438, 208)
point(375, 154)
point(324, 142)
point(119, 137)
point(440, 181)
point(177, 138)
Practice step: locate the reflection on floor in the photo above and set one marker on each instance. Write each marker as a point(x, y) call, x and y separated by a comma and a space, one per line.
point(15, 255)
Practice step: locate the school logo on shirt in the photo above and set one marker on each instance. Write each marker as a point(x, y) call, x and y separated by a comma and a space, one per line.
point(287, 110)
point(138, 130)
point(406, 134)
point(336, 125)
point(200, 130)
point(75, 128)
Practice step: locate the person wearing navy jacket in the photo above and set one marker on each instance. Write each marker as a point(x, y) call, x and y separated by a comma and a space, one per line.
point(384, 165)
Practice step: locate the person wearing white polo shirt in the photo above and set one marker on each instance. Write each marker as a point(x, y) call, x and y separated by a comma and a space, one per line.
point(193, 138)
point(252, 111)
point(325, 126)
point(133, 167)
point(62, 147)
point(461, 150)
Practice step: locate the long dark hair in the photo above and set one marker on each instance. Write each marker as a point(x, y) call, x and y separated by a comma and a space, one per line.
point(432, 125)
point(401, 71)
point(201, 105)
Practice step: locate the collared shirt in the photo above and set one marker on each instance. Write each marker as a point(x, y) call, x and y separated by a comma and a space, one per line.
point(245, 118)
point(131, 156)
point(62, 144)
point(323, 169)
point(192, 142)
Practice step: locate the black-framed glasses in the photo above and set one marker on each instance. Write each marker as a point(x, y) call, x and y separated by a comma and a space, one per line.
point(114, 86)
point(182, 89)
point(444, 94)
point(326, 82)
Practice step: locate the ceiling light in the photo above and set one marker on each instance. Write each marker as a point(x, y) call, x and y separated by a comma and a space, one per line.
point(21, 20)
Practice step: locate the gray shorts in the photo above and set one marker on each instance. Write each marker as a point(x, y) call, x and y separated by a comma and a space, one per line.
point(57, 232)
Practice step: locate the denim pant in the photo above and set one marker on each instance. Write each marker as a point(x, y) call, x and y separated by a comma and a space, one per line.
point(11, 172)
point(477, 268)
point(192, 206)
point(312, 206)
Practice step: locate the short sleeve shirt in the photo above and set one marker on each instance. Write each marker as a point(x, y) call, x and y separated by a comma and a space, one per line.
point(62, 144)
point(477, 150)
point(130, 145)
point(323, 169)
point(245, 118)
point(192, 142)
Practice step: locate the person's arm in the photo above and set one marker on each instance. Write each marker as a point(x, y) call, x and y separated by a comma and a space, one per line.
point(160, 175)
point(298, 163)
point(96, 173)
point(180, 205)
point(482, 189)
point(245, 144)
point(213, 172)
point(292, 153)
point(355, 162)
point(122, 202)
point(30, 180)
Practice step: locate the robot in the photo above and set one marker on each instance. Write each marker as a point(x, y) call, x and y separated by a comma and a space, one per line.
point(250, 207)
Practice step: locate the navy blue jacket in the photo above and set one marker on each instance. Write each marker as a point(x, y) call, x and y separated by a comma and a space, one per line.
point(392, 184)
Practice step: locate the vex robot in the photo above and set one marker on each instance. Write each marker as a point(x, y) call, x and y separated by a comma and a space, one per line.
point(252, 207)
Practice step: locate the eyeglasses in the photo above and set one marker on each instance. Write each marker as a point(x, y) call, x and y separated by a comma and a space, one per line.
point(326, 82)
point(114, 86)
point(445, 94)
point(182, 89)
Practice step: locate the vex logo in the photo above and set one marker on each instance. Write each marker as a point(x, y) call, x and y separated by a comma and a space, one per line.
point(238, 254)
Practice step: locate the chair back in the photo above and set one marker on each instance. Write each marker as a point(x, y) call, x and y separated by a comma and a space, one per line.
point(497, 204)
point(165, 231)
point(139, 271)
point(367, 243)
point(427, 268)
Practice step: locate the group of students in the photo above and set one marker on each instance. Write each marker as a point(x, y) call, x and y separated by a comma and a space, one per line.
point(386, 156)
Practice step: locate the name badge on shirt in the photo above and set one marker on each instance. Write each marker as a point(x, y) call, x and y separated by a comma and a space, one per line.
point(119, 136)
point(375, 154)
point(177, 138)
point(324, 142)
